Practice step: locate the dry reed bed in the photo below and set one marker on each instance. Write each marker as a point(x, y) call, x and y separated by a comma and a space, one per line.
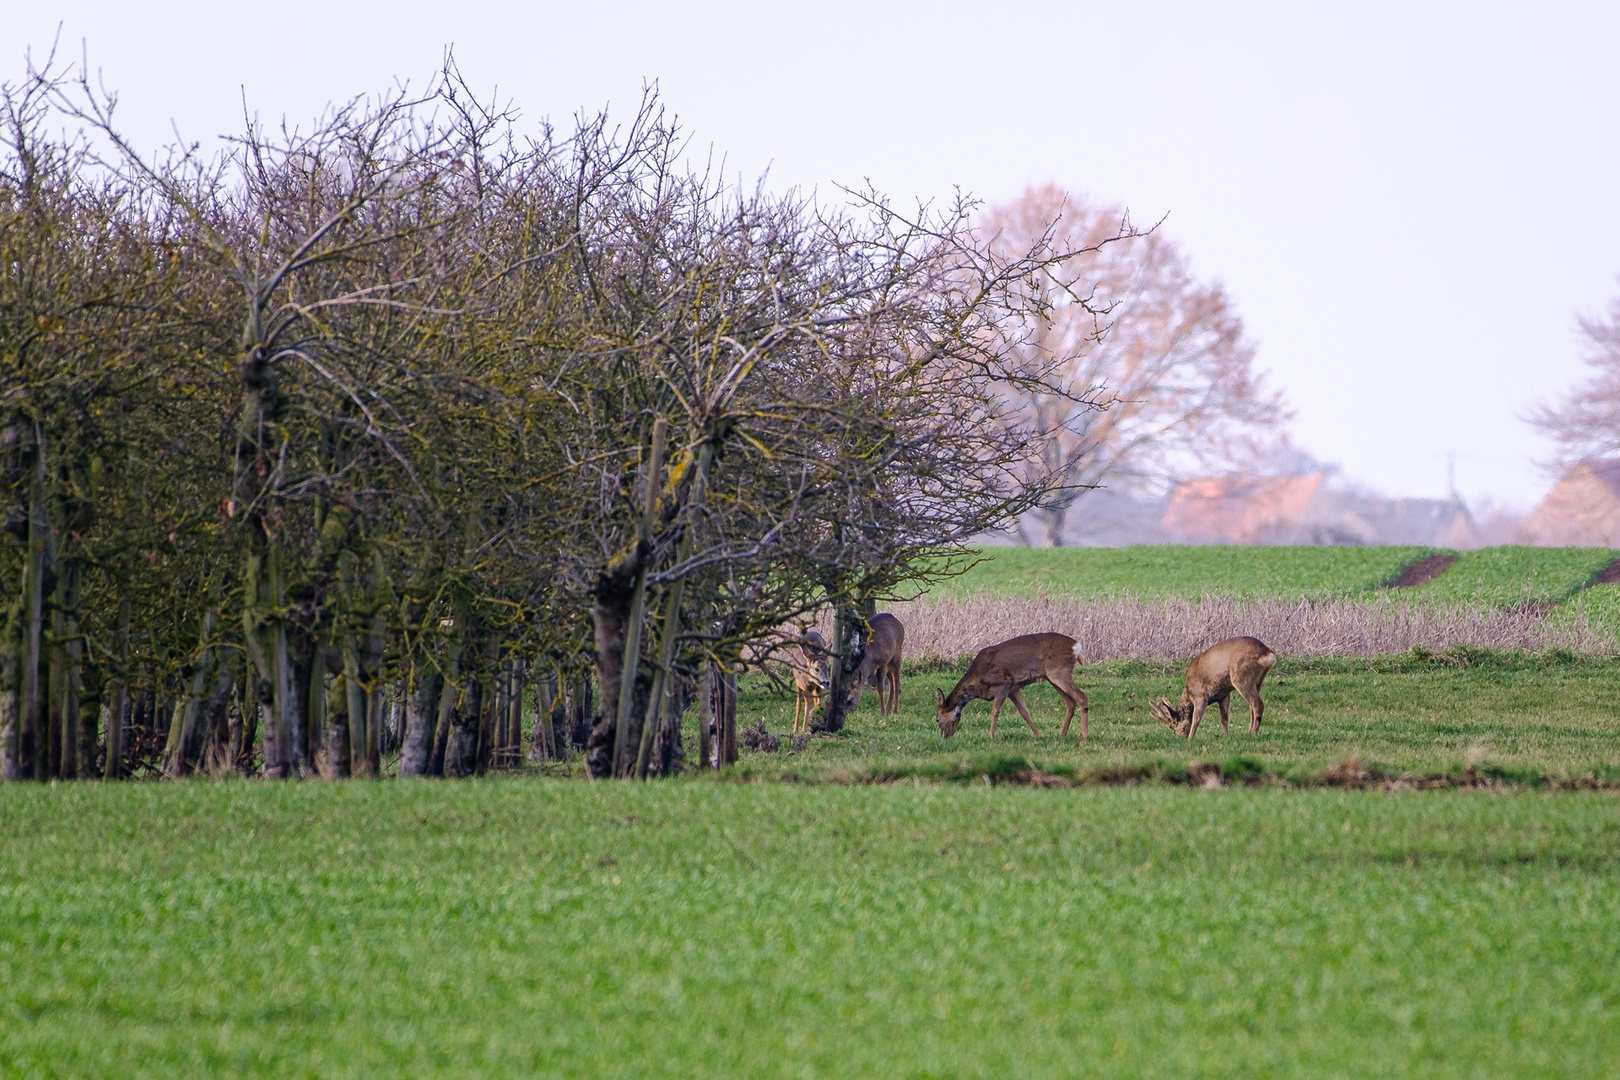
point(1158, 629)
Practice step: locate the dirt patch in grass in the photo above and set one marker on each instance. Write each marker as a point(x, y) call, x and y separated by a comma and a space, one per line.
point(1422, 571)
point(1609, 575)
point(1348, 772)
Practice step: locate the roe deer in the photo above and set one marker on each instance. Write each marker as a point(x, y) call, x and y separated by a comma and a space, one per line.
point(880, 667)
point(997, 672)
point(808, 661)
point(1240, 664)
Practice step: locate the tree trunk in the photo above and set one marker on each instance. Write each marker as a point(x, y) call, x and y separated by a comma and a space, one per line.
point(376, 694)
point(214, 752)
point(547, 695)
point(610, 616)
point(421, 713)
point(581, 711)
point(11, 662)
point(87, 680)
point(1055, 519)
point(56, 691)
point(719, 693)
point(357, 709)
point(706, 716)
point(849, 649)
point(514, 719)
point(463, 722)
point(728, 718)
point(488, 712)
point(394, 723)
point(451, 699)
point(35, 737)
point(187, 708)
point(621, 608)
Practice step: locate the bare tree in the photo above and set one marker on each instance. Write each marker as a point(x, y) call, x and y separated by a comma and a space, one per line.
point(402, 407)
point(1128, 327)
point(1585, 424)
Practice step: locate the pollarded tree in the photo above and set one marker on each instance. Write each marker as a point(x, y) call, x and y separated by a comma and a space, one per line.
point(1128, 327)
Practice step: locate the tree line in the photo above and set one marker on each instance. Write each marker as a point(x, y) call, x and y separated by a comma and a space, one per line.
point(394, 434)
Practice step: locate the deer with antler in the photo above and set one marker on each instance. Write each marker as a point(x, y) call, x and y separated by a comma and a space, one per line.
point(1240, 664)
point(998, 672)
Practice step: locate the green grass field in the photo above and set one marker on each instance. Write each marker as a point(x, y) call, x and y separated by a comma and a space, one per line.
point(883, 903)
point(1504, 576)
point(1522, 719)
point(1156, 572)
point(535, 928)
point(1490, 577)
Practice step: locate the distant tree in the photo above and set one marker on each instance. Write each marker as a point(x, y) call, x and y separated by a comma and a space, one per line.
point(1585, 424)
point(1129, 328)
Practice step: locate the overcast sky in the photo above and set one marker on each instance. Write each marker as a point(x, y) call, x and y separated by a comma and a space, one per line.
point(1408, 202)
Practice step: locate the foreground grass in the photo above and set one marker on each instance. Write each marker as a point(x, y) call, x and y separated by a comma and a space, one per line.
point(1512, 717)
point(531, 928)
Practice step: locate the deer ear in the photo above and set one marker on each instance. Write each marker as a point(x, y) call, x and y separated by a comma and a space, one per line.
point(939, 698)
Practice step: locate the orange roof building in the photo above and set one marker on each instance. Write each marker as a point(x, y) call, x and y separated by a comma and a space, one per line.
point(1240, 509)
point(1582, 509)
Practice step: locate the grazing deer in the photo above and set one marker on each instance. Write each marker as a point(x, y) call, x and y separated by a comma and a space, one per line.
point(1240, 664)
point(997, 673)
point(880, 666)
point(808, 661)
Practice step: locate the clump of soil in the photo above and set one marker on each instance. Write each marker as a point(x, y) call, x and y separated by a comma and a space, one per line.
point(1347, 772)
point(1424, 571)
point(757, 738)
point(1037, 778)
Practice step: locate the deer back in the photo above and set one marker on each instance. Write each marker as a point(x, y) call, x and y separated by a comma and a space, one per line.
point(1015, 662)
point(1215, 669)
point(883, 647)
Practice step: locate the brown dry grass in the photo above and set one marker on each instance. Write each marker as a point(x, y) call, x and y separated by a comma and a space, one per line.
point(949, 628)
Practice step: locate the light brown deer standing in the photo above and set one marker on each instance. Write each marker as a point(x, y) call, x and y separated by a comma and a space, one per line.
point(1240, 664)
point(998, 671)
point(808, 661)
point(880, 666)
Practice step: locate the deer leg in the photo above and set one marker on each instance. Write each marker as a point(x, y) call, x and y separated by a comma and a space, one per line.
point(1224, 702)
point(1197, 717)
point(1249, 690)
point(1018, 700)
point(1063, 681)
point(798, 708)
point(1257, 708)
point(995, 710)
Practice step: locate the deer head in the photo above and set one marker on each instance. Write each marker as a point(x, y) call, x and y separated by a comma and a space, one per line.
point(948, 718)
point(1177, 716)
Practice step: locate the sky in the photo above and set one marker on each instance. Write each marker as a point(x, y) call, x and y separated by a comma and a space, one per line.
point(1408, 203)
